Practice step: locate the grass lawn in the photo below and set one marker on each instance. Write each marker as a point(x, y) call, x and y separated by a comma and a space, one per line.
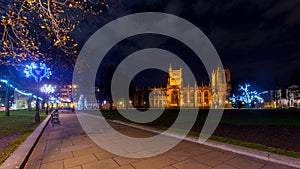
point(261, 117)
point(232, 117)
point(15, 129)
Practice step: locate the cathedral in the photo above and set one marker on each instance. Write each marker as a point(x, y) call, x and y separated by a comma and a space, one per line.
point(176, 95)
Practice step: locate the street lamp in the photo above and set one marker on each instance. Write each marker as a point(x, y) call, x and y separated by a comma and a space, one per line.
point(47, 89)
point(38, 71)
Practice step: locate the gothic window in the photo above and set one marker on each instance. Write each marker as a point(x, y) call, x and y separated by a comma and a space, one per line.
point(199, 96)
point(206, 99)
point(185, 95)
point(174, 97)
point(192, 96)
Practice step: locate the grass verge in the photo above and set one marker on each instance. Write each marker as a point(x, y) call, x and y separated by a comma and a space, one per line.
point(256, 146)
point(17, 127)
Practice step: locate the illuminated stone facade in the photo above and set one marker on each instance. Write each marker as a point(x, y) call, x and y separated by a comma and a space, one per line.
point(65, 92)
point(176, 95)
point(285, 98)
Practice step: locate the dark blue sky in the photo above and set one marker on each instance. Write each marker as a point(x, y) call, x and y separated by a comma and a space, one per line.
point(258, 39)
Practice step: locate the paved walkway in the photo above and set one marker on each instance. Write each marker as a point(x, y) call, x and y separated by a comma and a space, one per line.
point(66, 146)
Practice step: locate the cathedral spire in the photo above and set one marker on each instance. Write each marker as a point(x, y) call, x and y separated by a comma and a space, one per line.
point(170, 68)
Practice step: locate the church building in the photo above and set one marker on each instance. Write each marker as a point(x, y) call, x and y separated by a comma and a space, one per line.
point(175, 94)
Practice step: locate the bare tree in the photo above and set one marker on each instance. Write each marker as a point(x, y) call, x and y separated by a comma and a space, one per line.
point(27, 26)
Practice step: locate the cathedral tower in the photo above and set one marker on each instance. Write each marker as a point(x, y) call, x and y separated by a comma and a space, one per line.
point(174, 87)
point(220, 86)
point(175, 77)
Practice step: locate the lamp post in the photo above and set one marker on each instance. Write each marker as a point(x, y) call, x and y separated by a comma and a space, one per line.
point(47, 89)
point(52, 100)
point(38, 71)
point(7, 100)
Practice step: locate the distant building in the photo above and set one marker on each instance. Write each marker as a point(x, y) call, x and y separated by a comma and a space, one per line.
point(286, 98)
point(65, 95)
point(20, 101)
point(176, 95)
point(65, 92)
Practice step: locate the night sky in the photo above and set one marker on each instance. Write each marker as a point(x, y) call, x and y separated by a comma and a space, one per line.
point(258, 39)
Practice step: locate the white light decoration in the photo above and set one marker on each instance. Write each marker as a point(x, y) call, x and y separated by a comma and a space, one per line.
point(38, 71)
point(47, 89)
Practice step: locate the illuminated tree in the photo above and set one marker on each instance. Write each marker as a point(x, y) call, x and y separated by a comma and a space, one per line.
point(27, 26)
point(246, 96)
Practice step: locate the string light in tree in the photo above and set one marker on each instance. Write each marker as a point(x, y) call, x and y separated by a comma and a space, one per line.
point(31, 26)
point(19, 91)
point(247, 96)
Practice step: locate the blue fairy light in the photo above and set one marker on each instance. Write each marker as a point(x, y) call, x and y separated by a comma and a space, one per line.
point(38, 71)
point(247, 96)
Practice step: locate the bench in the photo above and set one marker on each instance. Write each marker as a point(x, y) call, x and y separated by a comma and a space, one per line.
point(55, 117)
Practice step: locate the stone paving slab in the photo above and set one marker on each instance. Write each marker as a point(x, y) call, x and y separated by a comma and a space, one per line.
point(215, 158)
point(66, 146)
